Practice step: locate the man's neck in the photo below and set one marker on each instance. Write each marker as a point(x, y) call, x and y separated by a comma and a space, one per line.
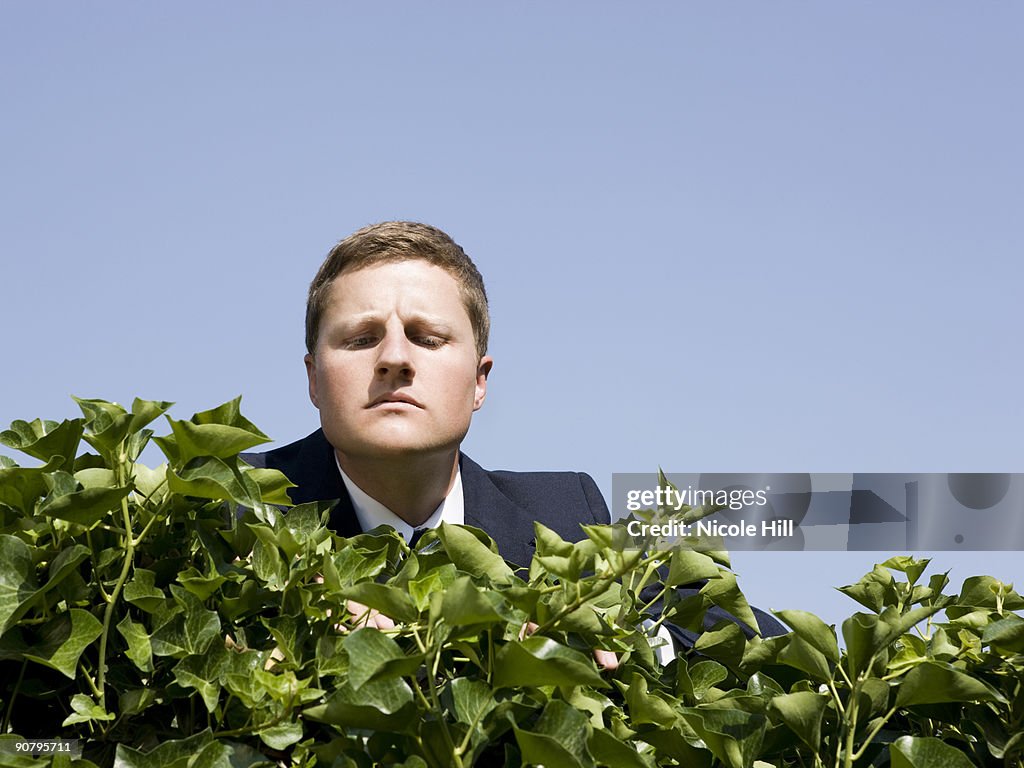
point(411, 487)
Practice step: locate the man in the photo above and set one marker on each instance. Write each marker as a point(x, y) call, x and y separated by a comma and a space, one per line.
point(396, 355)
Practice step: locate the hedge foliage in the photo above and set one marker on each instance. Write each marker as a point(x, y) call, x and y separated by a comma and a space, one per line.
point(181, 616)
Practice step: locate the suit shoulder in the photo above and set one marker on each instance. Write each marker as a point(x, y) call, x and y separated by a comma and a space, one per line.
point(563, 490)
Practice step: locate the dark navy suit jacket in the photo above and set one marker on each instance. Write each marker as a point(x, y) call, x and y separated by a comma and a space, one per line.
point(504, 504)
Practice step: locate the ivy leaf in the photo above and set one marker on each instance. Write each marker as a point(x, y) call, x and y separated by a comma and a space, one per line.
point(724, 592)
point(471, 555)
point(202, 673)
point(391, 601)
point(935, 682)
point(559, 738)
point(176, 753)
point(472, 700)
point(926, 752)
point(86, 506)
point(213, 478)
point(689, 566)
point(17, 578)
point(139, 649)
point(734, 736)
point(540, 661)
point(61, 641)
point(22, 487)
point(378, 705)
point(1006, 633)
point(372, 654)
point(608, 750)
point(142, 592)
point(865, 635)
point(465, 604)
point(85, 710)
point(281, 736)
point(802, 713)
point(222, 432)
point(46, 440)
point(649, 707)
point(813, 631)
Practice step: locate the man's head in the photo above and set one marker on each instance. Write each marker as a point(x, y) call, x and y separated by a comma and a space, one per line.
point(395, 338)
point(394, 241)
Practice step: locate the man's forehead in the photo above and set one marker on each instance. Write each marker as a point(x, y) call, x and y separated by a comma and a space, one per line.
point(425, 288)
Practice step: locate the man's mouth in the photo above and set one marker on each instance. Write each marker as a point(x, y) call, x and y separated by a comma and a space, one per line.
point(394, 398)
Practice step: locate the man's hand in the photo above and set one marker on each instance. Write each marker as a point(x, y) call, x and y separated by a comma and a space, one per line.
point(364, 616)
point(605, 659)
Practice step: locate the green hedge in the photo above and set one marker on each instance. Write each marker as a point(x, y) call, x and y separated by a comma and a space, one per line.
point(177, 617)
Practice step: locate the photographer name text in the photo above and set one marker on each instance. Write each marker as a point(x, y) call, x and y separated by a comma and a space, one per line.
point(775, 529)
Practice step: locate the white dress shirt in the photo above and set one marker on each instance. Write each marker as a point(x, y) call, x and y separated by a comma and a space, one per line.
point(372, 513)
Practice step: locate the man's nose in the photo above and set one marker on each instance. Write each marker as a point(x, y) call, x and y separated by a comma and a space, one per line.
point(395, 355)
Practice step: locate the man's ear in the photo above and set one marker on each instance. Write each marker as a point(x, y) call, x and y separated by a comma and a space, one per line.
point(482, 371)
point(311, 375)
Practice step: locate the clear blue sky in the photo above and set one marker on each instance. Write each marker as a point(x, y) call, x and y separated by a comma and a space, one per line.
point(716, 237)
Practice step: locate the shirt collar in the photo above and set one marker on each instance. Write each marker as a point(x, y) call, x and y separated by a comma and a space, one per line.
point(371, 513)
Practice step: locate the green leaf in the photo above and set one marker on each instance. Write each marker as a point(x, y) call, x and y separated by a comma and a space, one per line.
point(107, 425)
point(273, 485)
point(926, 752)
point(813, 631)
point(688, 566)
point(865, 635)
point(142, 592)
point(471, 555)
point(61, 641)
point(908, 565)
point(379, 705)
point(372, 654)
point(21, 487)
point(646, 706)
point(472, 700)
point(983, 592)
point(391, 601)
point(176, 753)
point(540, 661)
point(85, 710)
point(17, 578)
point(724, 643)
point(608, 750)
point(221, 432)
point(86, 507)
point(802, 713)
point(550, 543)
point(202, 673)
point(732, 735)
point(1006, 633)
point(703, 676)
point(724, 592)
point(139, 649)
point(46, 440)
point(935, 682)
point(559, 738)
point(282, 736)
point(464, 604)
point(214, 478)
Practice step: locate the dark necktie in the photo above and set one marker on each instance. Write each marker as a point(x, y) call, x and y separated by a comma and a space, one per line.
point(416, 536)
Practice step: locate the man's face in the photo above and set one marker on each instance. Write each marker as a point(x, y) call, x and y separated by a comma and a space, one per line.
point(395, 371)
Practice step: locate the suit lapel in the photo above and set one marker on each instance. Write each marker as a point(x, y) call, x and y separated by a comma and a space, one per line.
point(315, 472)
point(502, 519)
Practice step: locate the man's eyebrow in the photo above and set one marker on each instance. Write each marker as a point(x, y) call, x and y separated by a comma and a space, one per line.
point(414, 318)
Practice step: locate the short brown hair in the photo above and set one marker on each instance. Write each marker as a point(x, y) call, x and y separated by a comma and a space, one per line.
point(392, 241)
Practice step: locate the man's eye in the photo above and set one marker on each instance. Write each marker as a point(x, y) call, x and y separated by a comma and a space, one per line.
point(360, 342)
point(430, 341)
